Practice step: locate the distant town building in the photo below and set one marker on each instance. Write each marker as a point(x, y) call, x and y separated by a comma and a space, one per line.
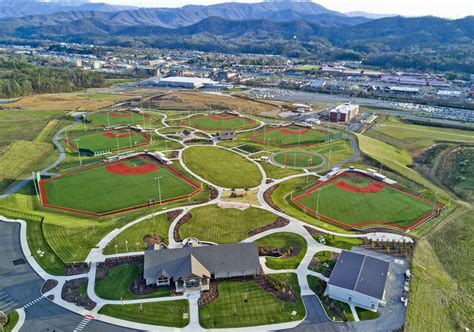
point(343, 113)
point(359, 280)
point(185, 82)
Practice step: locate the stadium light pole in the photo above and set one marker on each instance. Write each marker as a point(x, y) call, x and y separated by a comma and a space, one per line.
point(78, 151)
point(108, 119)
point(159, 187)
point(317, 203)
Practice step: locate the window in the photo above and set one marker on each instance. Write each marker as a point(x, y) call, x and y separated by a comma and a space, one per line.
point(162, 280)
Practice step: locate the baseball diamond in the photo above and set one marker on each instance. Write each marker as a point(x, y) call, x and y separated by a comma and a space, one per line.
point(290, 136)
point(117, 187)
point(356, 200)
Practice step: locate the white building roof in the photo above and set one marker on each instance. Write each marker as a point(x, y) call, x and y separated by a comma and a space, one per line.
point(344, 108)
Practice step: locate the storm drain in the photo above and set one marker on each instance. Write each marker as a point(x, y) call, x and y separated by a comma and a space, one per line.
point(19, 261)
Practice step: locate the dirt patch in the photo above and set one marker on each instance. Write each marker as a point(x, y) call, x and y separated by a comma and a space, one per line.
point(278, 223)
point(174, 154)
point(71, 293)
point(124, 169)
point(48, 285)
point(76, 268)
point(180, 223)
point(284, 253)
point(152, 239)
point(172, 215)
point(374, 187)
point(267, 196)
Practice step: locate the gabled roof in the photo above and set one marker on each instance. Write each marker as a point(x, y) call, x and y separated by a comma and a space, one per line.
point(201, 261)
point(360, 273)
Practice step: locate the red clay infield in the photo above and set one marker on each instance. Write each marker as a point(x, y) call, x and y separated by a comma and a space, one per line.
point(291, 132)
point(217, 117)
point(124, 169)
point(120, 114)
point(112, 135)
point(374, 187)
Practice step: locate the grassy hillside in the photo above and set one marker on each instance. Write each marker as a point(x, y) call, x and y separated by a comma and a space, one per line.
point(443, 287)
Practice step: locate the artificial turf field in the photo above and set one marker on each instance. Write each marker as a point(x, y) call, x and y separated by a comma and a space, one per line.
point(116, 187)
point(298, 159)
point(355, 200)
point(290, 136)
point(219, 122)
point(112, 140)
point(107, 119)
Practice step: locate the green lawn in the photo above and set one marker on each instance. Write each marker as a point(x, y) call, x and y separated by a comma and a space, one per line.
point(298, 159)
point(387, 206)
point(365, 314)
point(107, 140)
point(284, 240)
point(211, 223)
point(323, 257)
point(290, 136)
point(167, 313)
point(12, 321)
point(116, 285)
point(222, 167)
point(242, 304)
point(158, 226)
point(275, 172)
point(218, 122)
point(99, 190)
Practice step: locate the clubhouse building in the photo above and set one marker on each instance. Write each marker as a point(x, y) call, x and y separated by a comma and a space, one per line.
point(359, 280)
point(192, 268)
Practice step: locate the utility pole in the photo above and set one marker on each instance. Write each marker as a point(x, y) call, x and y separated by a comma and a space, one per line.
point(78, 151)
point(159, 187)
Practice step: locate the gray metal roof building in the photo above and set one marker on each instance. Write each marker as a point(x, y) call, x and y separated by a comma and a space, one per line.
point(202, 261)
point(360, 273)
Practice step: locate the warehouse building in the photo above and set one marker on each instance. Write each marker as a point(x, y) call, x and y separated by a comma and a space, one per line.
point(185, 82)
point(359, 280)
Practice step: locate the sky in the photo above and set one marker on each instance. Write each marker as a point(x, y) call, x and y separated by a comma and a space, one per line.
point(442, 8)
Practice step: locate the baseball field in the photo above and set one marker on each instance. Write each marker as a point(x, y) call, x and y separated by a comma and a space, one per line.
point(356, 200)
point(108, 140)
point(290, 136)
point(219, 122)
point(119, 186)
point(117, 118)
point(296, 158)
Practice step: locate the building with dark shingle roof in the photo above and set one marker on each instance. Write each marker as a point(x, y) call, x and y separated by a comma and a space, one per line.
point(194, 267)
point(358, 279)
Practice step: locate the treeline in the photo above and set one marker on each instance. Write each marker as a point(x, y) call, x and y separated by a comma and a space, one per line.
point(21, 78)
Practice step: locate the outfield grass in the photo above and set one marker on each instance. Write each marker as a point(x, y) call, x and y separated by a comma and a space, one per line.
point(99, 190)
point(290, 136)
point(284, 240)
point(242, 304)
point(167, 313)
point(20, 159)
point(296, 158)
point(108, 119)
point(218, 122)
point(222, 167)
point(116, 285)
point(282, 198)
point(214, 224)
point(158, 225)
point(387, 206)
point(108, 140)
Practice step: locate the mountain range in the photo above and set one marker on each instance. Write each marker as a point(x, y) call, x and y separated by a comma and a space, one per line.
point(296, 29)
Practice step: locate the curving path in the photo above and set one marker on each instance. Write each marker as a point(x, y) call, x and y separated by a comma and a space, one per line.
point(315, 312)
